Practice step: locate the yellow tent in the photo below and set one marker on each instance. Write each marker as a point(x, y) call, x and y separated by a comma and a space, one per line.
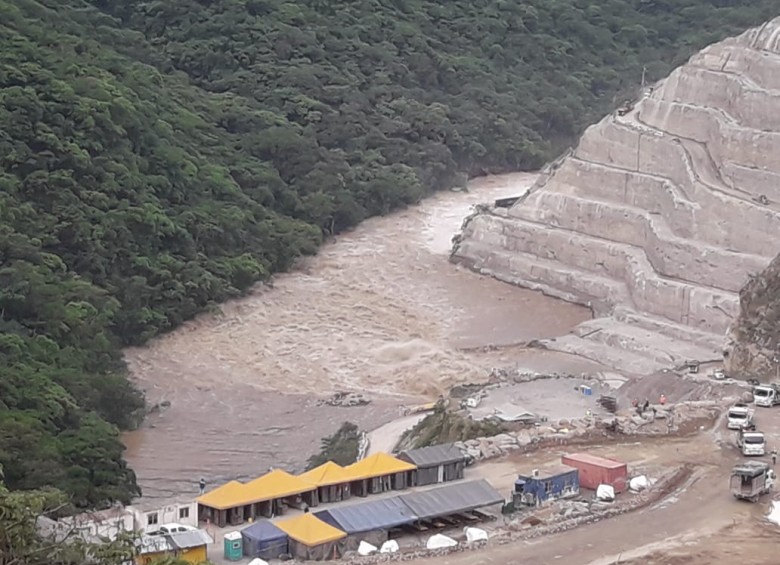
point(377, 465)
point(327, 474)
point(228, 495)
point(310, 530)
point(276, 484)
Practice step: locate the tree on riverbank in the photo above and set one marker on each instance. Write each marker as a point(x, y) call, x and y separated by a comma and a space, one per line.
point(160, 157)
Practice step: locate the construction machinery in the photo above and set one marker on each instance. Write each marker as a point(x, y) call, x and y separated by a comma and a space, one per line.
point(750, 479)
point(739, 416)
point(750, 442)
point(766, 395)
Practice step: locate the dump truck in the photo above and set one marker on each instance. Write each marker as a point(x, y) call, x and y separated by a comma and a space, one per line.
point(751, 442)
point(750, 479)
point(766, 395)
point(739, 416)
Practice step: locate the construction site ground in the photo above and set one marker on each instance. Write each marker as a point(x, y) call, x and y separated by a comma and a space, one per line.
point(699, 523)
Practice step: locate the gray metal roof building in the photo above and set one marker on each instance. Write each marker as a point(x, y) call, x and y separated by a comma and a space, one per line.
point(452, 499)
point(382, 514)
point(433, 455)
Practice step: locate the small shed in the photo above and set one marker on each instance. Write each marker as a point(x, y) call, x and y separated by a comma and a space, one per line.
point(311, 538)
point(595, 471)
point(190, 546)
point(369, 521)
point(263, 539)
point(331, 480)
point(379, 472)
point(539, 487)
point(435, 464)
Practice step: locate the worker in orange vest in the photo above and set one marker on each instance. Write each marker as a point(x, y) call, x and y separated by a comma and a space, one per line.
point(662, 400)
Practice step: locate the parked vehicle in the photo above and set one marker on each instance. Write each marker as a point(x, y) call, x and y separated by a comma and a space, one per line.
point(751, 442)
point(739, 416)
point(751, 479)
point(171, 529)
point(766, 395)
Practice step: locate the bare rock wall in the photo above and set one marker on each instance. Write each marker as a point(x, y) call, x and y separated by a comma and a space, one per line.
point(658, 217)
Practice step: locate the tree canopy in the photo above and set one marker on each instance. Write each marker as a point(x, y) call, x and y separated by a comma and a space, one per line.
point(158, 157)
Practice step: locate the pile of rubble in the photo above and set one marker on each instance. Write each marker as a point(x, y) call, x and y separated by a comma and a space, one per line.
point(345, 400)
point(662, 420)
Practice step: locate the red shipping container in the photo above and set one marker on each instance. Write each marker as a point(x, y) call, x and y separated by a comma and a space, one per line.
point(595, 471)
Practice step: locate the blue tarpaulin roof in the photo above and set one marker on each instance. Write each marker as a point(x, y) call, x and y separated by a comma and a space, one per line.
point(371, 515)
point(263, 531)
point(263, 539)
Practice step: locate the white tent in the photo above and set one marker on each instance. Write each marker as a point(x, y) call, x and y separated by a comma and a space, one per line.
point(638, 483)
point(366, 548)
point(475, 534)
point(390, 546)
point(258, 561)
point(606, 493)
point(440, 541)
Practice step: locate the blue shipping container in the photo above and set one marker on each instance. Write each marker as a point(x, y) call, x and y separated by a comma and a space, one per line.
point(536, 489)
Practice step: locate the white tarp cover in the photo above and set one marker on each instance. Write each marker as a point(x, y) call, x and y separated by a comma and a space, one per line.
point(638, 483)
point(366, 548)
point(439, 541)
point(774, 513)
point(258, 561)
point(390, 546)
point(605, 492)
point(475, 534)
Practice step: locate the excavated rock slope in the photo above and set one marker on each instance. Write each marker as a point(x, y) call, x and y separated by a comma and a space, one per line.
point(755, 347)
point(658, 217)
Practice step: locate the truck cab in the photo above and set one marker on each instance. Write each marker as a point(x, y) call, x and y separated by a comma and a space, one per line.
point(766, 395)
point(751, 443)
point(739, 416)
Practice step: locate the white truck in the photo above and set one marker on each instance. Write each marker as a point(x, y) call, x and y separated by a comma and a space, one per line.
point(766, 395)
point(751, 442)
point(739, 416)
point(751, 479)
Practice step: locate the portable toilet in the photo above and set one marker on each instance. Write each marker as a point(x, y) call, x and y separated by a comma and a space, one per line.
point(234, 546)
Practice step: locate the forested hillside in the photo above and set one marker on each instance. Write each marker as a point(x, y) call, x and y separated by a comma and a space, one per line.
point(158, 157)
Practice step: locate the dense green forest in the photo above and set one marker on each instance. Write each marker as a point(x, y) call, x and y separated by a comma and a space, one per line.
point(158, 157)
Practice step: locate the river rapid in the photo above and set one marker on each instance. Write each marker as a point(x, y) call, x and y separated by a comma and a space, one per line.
point(380, 310)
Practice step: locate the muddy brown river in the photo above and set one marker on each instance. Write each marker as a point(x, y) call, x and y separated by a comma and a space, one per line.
point(380, 310)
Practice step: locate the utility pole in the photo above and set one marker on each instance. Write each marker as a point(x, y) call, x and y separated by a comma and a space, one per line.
point(644, 72)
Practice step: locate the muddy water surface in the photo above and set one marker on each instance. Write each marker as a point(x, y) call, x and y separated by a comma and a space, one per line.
point(380, 310)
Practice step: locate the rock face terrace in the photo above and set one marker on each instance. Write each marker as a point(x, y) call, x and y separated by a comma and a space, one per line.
point(658, 217)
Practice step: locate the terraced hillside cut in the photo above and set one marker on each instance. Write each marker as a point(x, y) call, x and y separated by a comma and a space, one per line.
point(658, 217)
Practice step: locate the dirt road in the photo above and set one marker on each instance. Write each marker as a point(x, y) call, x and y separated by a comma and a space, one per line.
point(380, 311)
point(699, 524)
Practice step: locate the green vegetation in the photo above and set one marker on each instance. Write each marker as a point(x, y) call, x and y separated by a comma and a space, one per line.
point(342, 447)
point(444, 426)
point(158, 157)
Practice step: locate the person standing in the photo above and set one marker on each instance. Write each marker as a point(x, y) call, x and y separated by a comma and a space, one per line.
point(202, 485)
point(774, 457)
